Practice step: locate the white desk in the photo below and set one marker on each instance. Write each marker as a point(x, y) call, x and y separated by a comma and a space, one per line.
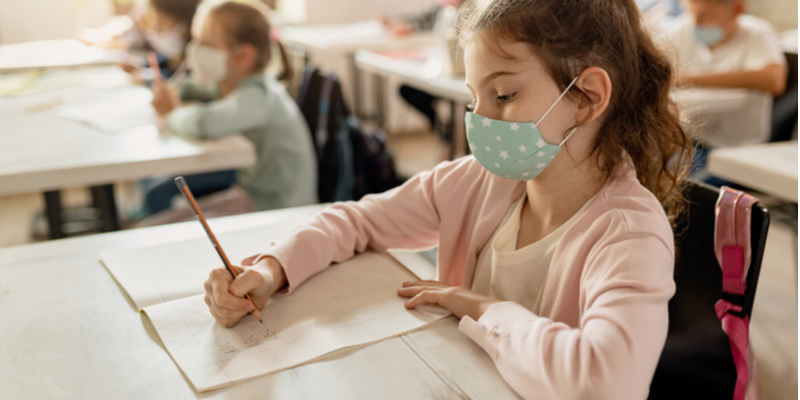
point(770, 168)
point(345, 39)
point(42, 152)
point(47, 54)
point(417, 67)
point(69, 331)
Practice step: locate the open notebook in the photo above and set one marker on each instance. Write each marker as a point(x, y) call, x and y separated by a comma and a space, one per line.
point(349, 304)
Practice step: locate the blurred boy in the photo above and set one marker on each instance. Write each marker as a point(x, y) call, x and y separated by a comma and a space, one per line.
point(717, 46)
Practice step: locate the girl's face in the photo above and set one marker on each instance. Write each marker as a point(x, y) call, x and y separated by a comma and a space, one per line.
point(516, 88)
point(241, 58)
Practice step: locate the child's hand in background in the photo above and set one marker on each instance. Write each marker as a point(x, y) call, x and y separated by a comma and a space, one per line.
point(164, 99)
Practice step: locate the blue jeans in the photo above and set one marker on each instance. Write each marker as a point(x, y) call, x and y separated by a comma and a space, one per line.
point(699, 172)
point(159, 193)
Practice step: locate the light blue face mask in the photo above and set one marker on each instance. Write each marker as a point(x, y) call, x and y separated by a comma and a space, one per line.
point(514, 150)
point(709, 35)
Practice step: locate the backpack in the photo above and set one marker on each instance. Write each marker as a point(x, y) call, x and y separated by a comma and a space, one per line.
point(351, 160)
point(732, 248)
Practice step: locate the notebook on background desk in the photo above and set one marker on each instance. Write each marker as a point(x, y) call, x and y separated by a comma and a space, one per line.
point(349, 304)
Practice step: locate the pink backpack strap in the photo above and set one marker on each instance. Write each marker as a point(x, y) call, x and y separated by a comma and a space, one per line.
point(732, 248)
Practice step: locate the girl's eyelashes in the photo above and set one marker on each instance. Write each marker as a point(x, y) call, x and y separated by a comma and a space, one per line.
point(507, 98)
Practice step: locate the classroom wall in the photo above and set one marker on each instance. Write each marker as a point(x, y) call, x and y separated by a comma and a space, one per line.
point(26, 20)
point(781, 13)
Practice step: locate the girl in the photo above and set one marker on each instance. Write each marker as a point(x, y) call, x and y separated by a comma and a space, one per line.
point(554, 247)
point(168, 30)
point(228, 66)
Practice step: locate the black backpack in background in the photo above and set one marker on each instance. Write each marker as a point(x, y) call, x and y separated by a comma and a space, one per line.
point(351, 160)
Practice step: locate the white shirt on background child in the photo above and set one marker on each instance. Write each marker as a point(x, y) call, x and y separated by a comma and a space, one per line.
point(753, 46)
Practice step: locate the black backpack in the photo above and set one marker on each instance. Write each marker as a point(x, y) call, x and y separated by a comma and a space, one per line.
point(351, 160)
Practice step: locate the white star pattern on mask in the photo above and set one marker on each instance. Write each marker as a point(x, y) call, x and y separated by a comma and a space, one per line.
point(487, 122)
point(522, 148)
point(471, 126)
point(540, 154)
point(553, 156)
point(487, 148)
point(504, 154)
point(497, 165)
point(540, 165)
point(524, 174)
point(514, 127)
point(540, 143)
point(472, 147)
point(498, 138)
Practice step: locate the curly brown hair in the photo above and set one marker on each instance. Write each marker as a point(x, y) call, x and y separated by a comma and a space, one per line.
point(572, 35)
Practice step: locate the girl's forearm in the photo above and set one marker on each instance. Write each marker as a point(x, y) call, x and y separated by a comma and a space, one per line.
point(770, 79)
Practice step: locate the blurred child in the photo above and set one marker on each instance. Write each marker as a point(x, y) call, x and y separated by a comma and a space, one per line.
point(717, 46)
point(227, 64)
point(167, 29)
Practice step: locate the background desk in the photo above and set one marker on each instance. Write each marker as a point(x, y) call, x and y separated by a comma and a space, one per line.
point(69, 331)
point(42, 152)
point(47, 54)
point(770, 167)
point(418, 67)
point(345, 39)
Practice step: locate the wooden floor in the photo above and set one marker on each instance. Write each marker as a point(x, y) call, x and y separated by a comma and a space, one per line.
point(773, 327)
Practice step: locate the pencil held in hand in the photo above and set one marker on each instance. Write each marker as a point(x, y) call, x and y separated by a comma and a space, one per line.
point(184, 189)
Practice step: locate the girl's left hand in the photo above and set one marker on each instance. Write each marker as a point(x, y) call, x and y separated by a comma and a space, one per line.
point(164, 100)
point(458, 300)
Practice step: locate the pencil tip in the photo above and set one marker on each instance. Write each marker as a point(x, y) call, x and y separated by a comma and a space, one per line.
point(260, 321)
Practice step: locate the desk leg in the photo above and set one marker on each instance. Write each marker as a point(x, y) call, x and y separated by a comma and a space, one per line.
point(103, 197)
point(355, 77)
point(379, 91)
point(52, 201)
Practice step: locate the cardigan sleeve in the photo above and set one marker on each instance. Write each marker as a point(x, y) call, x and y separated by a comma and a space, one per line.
point(624, 291)
point(405, 217)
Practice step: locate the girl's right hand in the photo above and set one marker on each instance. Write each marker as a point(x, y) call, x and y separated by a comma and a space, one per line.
point(225, 295)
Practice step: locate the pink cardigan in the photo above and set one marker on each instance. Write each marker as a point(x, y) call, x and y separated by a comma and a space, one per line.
point(603, 319)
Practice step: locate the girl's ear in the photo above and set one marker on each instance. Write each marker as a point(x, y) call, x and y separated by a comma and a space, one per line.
point(245, 56)
point(596, 84)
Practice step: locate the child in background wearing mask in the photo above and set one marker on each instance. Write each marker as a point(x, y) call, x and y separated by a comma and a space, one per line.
point(227, 64)
point(554, 247)
point(717, 46)
point(167, 30)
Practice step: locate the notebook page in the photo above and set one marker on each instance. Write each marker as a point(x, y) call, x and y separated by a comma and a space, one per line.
point(172, 271)
point(348, 304)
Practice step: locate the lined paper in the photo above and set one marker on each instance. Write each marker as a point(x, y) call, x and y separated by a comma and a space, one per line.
point(348, 304)
point(172, 271)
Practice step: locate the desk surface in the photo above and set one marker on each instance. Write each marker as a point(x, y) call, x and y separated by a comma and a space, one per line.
point(47, 54)
point(418, 67)
point(70, 332)
point(770, 167)
point(42, 151)
point(347, 38)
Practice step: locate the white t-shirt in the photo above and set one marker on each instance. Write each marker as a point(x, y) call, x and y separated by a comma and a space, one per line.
point(753, 46)
point(510, 274)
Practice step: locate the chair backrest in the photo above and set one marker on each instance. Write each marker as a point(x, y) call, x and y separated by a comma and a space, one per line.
point(697, 361)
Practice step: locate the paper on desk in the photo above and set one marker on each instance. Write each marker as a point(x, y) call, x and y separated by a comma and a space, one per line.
point(348, 304)
point(126, 108)
point(172, 271)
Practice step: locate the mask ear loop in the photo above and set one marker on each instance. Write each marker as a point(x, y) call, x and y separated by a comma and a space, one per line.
point(557, 100)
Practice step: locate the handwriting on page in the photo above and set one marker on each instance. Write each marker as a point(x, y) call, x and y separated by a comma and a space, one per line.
point(348, 304)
